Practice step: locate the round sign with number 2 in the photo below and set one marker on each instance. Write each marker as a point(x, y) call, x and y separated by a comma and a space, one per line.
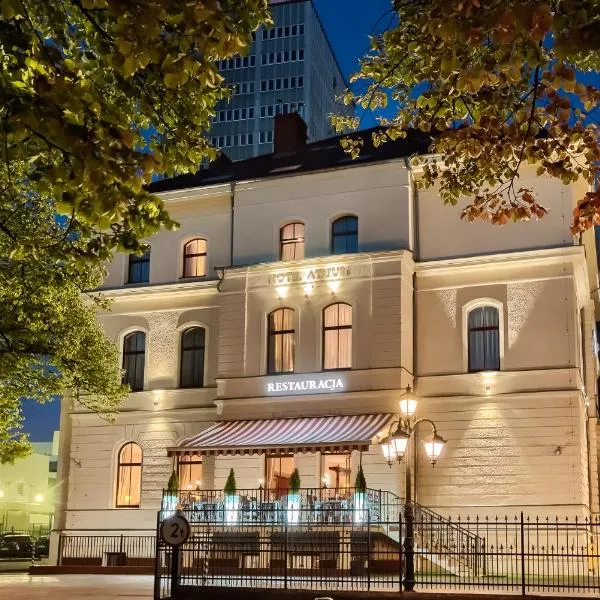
point(175, 530)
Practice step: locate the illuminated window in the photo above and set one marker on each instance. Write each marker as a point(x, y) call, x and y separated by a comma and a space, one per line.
point(280, 353)
point(484, 339)
point(292, 242)
point(139, 268)
point(194, 258)
point(192, 358)
point(189, 472)
point(277, 473)
point(335, 473)
point(134, 356)
point(337, 337)
point(344, 235)
point(129, 476)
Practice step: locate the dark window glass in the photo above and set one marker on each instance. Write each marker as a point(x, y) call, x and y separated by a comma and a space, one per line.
point(139, 268)
point(134, 353)
point(344, 235)
point(129, 476)
point(484, 339)
point(192, 358)
point(280, 354)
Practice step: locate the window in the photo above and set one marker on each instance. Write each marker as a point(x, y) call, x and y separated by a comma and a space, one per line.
point(139, 268)
point(335, 473)
point(189, 472)
point(192, 358)
point(484, 339)
point(280, 352)
point(129, 476)
point(337, 337)
point(277, 473)
point(134, 356)
point(291, 238)
point(344, 235)
point(194, 258)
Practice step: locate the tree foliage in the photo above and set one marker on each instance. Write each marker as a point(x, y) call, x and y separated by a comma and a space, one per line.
point(96, 98)
point(499, 84)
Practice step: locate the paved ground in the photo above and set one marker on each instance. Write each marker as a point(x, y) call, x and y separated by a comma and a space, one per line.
point(75, 587)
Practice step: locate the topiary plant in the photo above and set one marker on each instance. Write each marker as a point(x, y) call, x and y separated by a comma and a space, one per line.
point(294, 482)
point(230, 488)
point(173, 484)
point(361, 483)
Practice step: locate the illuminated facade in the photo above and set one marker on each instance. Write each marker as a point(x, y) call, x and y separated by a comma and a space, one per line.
point(295, 294)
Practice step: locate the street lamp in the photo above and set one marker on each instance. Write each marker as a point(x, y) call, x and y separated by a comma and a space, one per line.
point(394, 447)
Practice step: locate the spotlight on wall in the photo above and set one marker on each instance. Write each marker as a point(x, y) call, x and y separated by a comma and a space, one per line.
point(334, 286)
point(157, 396)
point(1, 493)
point(39, 498)
point(558, 450)
point(282, 291)
point(308, 288)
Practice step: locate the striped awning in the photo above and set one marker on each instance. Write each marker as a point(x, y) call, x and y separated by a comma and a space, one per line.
point(276, 436)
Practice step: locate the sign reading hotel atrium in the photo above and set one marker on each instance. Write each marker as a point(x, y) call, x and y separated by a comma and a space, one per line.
point(291, 385)
point(310, 275)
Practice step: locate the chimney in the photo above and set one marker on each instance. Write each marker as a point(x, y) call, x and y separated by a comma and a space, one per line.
point(290, 134)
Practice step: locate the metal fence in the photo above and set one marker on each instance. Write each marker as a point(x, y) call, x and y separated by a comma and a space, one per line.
point(107, 550)
point(514, 554)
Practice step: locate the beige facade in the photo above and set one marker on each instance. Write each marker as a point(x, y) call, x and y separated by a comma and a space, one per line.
point(523, 436)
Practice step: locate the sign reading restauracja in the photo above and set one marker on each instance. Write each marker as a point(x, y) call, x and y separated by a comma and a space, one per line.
point(311, 385)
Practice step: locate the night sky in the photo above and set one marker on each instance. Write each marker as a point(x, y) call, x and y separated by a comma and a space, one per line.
point(348, 24)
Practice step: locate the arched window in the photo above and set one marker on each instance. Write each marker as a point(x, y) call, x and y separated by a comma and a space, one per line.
point(189, 472)
point(134, 357)
point(192, 358)
point(139, 268)
point(129, 476)
point(194, 258)
point(337, 337)
point(291, 241)
point(484, 339)
point(280, 352)
point(344, 235)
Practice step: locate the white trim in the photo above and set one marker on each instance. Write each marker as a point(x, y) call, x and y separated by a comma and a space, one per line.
point(466, 309)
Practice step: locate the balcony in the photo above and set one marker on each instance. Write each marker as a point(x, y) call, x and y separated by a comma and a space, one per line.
point(325, 506)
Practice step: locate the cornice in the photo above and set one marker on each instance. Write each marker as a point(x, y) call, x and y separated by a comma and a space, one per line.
point(153, 290)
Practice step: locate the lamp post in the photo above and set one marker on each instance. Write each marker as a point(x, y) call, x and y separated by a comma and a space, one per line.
point(394, 447)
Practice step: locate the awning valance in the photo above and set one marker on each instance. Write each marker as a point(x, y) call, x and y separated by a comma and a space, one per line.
point(276, 436)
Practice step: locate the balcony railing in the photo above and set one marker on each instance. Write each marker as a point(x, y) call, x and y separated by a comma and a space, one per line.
point(313, 505)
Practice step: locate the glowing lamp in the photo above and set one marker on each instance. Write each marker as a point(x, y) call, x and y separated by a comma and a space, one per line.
point(399, 441)
point(389, 452)
point(408, 404)
point(434, 445)
point(39, 497)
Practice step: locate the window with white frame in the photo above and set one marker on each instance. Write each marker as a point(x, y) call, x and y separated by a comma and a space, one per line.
point(483, 338)
point(337, 337)
point(281, 342)
point(291, 241)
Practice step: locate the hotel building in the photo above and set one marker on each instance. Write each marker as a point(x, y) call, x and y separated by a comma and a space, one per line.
point(280, 325)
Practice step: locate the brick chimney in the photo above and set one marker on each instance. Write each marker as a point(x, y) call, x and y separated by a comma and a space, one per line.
point(290, 134)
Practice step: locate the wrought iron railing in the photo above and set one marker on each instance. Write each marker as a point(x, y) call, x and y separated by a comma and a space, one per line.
point(318, 505)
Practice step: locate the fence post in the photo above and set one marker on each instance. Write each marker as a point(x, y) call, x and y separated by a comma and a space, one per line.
point(157, 559)
point(400, 551)
point(121, 544)
point(285, 553)
point(522, 555)
point(368, 549)
point(174, 572)
point(60, 550)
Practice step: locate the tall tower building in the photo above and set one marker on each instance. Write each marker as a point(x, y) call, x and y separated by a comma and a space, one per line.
point(290, 68)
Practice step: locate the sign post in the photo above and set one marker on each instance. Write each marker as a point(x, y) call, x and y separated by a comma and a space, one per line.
point(175, 531)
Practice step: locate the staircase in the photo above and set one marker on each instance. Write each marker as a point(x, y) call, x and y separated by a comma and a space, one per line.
point(451, 546)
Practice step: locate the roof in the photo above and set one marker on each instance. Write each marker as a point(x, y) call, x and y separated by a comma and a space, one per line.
point(276, 436)
point(317, 156)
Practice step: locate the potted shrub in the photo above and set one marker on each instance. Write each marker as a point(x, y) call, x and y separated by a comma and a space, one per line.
point(232, 500)
point(171, 499)
point(360, 497)
point(293, 498)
